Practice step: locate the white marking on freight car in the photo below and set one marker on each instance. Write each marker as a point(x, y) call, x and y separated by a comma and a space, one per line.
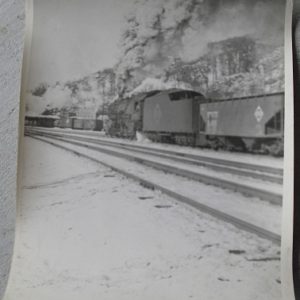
point(157, 113)
point(258, 113)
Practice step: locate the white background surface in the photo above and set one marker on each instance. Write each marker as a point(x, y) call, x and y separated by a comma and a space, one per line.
point(12, 20)
point(11, 50)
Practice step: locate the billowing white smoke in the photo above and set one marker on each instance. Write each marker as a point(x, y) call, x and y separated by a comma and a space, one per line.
point(157, 31)
point(34, 105)
point(88, 94)
point(55, 97)
point(150, 84)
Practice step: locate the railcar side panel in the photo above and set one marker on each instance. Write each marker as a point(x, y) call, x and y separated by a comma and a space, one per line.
point(161, 114)
point(65, 122)
point(254, 117)
point(77, 123)
point(86, 124)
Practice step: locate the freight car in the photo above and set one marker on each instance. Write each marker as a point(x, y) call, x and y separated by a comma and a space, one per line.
point(41, 120)
point(172, 116)
point(248, 124)
point(85, 124)
point(187, 118)
point(80, 123)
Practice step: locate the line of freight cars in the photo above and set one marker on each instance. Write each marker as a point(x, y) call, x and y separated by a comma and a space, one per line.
point(80, 123)
point(64, 122)
point(253, 124)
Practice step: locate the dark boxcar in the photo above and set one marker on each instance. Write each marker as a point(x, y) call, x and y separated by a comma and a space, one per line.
point(77, 123)
point(42, 120)
point(48, 120)
point(98, 125)
point(172, 115)
point(89, 124)
point(81, 123)
point(249, 118)
point(65, 122)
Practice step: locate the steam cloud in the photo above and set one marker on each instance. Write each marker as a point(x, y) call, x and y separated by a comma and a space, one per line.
point(157, 31)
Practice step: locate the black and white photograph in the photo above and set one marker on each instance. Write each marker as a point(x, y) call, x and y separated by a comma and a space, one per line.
point(153, 151)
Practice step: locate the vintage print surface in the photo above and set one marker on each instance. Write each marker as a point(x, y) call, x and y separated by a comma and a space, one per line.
point(153, 151)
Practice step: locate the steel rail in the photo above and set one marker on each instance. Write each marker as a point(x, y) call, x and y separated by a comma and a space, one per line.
point(237, 222)
point(245, 189)
point(233, 167)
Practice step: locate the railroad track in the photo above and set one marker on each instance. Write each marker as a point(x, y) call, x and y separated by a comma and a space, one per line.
point(80, 149)
point(262, 172)
point(164, 160)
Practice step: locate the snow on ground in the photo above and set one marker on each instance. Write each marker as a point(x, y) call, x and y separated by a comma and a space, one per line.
point(142, 138)
point(265, 160)
point(253, 210)
point(248, 181)
point(40, 167)
point(90, 233)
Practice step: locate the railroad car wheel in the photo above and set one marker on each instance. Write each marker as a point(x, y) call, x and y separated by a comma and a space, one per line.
point(215, 145)
point(191, 141)
point(274, 148)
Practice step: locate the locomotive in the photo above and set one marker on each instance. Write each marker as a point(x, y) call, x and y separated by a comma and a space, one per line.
point(186, 117)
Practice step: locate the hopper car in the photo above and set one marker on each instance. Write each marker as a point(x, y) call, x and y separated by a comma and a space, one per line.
point(250, 123)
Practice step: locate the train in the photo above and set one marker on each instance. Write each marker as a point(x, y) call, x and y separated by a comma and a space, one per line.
point(186, 117)
point(64, 121)
point(80, 123)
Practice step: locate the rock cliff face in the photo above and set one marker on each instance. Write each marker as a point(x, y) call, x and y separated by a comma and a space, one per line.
point(229, 57)
point(251, 72)
point(232, 68)
point(95, 88)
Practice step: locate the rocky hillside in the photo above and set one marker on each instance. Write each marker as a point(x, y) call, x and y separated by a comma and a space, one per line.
point(90, 92)
point(230, 68)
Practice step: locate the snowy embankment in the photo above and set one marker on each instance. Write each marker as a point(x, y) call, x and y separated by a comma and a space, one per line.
point(85, 232)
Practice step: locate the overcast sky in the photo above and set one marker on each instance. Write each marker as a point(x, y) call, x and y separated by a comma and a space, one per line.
point(72, 38)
